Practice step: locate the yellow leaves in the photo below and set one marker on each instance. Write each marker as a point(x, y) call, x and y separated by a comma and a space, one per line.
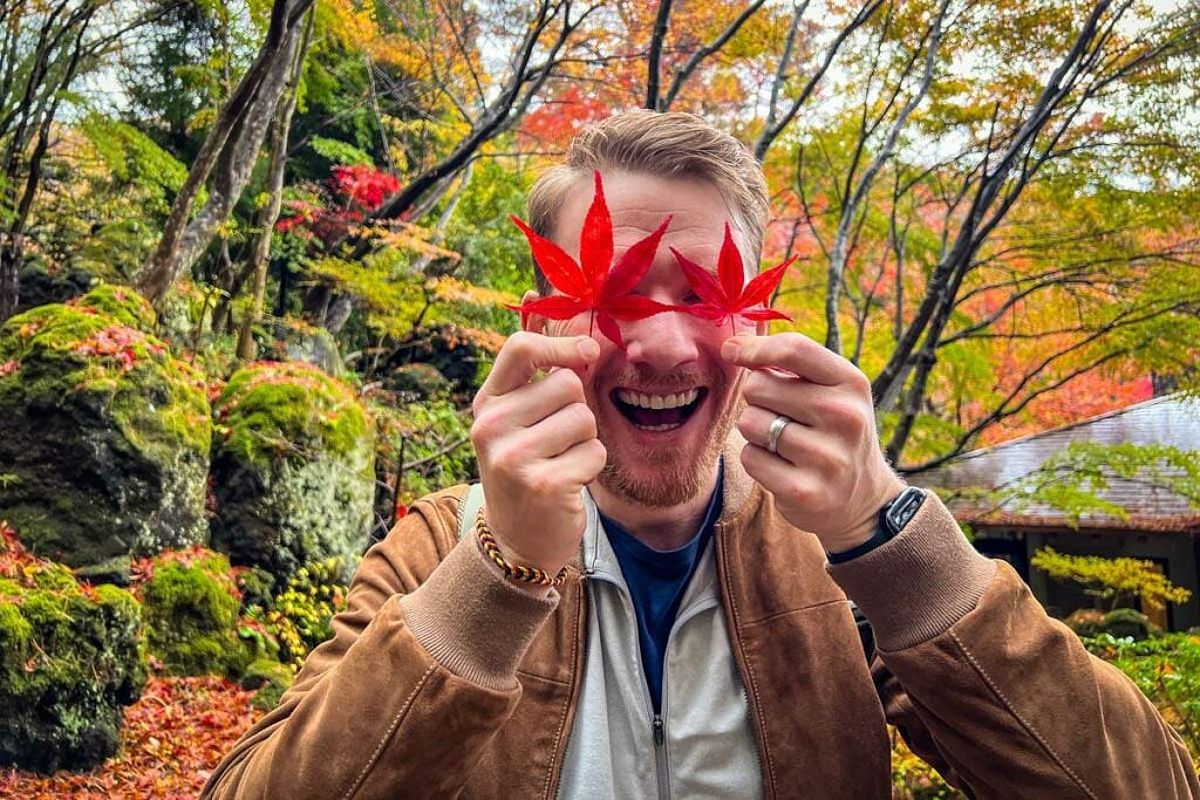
point(348, 23)
point(454, 290)
point(410, 238)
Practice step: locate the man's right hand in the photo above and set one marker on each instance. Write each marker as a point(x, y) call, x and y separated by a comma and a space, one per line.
point(536, 445)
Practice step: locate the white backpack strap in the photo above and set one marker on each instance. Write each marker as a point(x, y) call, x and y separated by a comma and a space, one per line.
point(468, 508)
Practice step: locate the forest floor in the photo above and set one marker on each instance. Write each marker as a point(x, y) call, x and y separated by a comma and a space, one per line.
point(172, 739)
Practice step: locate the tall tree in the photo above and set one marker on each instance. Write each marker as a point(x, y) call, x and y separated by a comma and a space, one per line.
point(227, 155)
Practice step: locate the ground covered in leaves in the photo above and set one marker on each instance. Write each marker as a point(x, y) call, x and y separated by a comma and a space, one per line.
point(172, 739)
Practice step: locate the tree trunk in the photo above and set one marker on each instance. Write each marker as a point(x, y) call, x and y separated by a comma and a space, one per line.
point(269, 213)
point(243, 118)
point(11, 255)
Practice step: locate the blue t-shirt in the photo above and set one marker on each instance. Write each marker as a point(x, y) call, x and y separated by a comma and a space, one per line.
point(657, 580)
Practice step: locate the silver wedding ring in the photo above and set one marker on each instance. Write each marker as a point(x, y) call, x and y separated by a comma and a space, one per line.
point(775, 431)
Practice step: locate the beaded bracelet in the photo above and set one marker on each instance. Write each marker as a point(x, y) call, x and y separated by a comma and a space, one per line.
point(517, 572)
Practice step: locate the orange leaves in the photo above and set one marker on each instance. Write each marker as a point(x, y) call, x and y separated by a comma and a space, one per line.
point(172, 740)
point(118, 343)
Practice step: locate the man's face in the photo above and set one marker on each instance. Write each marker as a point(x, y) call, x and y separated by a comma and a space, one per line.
point(663, 407)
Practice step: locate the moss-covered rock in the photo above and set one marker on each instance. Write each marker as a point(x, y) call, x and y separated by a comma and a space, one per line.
point(190, 603)
point(70, 657)
point(270, 678)
point(121, 303)
point(292, 470)
point(104, 436)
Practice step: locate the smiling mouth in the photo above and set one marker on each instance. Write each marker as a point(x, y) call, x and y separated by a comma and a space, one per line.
point(658, 412)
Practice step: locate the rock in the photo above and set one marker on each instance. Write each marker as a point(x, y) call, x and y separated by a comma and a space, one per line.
point(296, 340)
point(104, 436)
point(460, 354)
point(190, 603)
point(70, 658)
point(122, 304)
point(417, 381)
point(41, 286)
point(1122, 622)
point(270, 678)
point(1085, 621)
point(292, 469)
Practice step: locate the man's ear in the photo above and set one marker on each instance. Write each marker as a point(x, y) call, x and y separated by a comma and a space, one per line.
point(534, 323)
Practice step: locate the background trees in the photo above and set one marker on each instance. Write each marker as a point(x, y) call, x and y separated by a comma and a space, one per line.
point(993, 204)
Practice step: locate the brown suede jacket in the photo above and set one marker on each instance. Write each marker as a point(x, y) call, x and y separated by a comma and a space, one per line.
point(443, 679)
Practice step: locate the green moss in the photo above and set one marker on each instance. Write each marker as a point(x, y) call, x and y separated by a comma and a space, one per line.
point(120, 303)
point(270, 678)
point(283, 409)
point(191, 607)
point(108, 435)
point(70, 657)
point(292, 468)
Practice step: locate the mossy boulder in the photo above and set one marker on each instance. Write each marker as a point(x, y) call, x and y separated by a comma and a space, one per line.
point(70, 658)
point(190, 604)
point(104, 435)
point(293, 469)
point(43, 283)
point(121, 303)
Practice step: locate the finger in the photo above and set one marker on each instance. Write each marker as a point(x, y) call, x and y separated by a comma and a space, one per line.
point(772, 472)
point(528, 405)
point(525, 353)
point(801, 446)
point(557, 433)
point(579, 464)
point(793, 352)
point(797, 398)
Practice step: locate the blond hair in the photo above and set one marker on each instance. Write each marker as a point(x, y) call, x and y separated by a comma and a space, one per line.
point(662, 144)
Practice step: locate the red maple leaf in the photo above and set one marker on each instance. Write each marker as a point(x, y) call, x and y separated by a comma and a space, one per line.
point(594, 284)
point(731, 297)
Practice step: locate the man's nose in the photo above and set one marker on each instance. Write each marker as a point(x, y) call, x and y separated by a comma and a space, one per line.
point(662, 342)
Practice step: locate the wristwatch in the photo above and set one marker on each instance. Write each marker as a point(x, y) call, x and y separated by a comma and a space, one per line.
point(892, 519)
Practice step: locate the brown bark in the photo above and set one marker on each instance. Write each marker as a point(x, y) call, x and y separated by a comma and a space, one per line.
point(240, 120)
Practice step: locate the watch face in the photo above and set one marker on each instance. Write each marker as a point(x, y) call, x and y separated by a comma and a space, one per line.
point(904, 508)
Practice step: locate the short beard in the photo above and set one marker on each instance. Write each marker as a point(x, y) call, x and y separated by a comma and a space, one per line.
point(673, 484)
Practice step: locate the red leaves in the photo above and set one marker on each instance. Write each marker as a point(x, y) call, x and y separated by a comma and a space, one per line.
point(172, 740)
point(730, 297)
point(364, 185)
point(594, 284)
point(348, 197)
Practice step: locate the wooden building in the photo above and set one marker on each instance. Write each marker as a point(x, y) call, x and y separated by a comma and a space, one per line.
point(1162, 526)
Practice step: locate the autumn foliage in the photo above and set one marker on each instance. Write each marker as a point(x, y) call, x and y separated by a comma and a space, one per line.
point(171, 740)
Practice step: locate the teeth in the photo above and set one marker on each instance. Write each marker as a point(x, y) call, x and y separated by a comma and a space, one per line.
point(667, 427)
point(658, 401)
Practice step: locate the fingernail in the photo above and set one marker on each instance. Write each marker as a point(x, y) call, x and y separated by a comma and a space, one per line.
point(588, 348)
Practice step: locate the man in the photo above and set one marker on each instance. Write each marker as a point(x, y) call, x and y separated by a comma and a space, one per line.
point(712, 504)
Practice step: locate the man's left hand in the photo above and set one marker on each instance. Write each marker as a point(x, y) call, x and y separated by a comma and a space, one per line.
point(829, 475)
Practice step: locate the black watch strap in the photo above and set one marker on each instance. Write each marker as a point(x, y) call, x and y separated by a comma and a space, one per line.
point(892, 519)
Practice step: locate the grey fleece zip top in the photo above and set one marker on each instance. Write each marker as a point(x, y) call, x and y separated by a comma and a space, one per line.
point(703, 746)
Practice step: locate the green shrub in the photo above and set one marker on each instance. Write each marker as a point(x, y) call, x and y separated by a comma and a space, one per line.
point(70, 657)
point(298, 618)
point(1167, 670)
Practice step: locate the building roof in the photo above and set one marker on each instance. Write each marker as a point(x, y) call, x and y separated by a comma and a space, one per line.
point(1171, 420)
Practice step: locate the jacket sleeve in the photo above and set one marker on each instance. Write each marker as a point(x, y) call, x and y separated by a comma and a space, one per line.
point(996, 695)
point(419, 675)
